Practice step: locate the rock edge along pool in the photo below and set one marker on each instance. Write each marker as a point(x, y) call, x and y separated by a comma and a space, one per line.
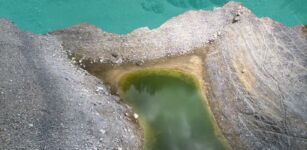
point(172, 111)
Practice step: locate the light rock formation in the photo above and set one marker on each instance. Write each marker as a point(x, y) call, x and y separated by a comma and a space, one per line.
point(180, 35)
point(258, 76)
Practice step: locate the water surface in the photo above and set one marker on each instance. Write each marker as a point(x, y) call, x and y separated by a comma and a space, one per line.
point(123, 16)
point(172, 111)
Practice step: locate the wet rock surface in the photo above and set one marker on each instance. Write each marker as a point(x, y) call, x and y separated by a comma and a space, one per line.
point(254, 69)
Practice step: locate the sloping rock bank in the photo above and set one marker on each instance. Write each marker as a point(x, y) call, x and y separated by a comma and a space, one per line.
point(46, 102)
point(255, 69)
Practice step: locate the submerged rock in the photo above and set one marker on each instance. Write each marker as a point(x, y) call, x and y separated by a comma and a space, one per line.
point(254, 69)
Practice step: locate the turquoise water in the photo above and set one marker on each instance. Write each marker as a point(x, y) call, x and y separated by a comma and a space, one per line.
point(173, 115)
point(123, 16)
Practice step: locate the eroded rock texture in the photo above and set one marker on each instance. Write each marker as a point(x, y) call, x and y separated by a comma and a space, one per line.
point(48, 103)
point(255, 69)
point(258, 77)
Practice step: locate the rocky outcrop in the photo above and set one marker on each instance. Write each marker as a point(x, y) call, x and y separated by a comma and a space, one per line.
point(180, 35)
point(255, 69)
point(258, 77)
point(48, 103)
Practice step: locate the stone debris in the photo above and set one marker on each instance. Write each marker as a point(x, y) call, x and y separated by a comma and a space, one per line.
point(43, 87)
point(102, 90)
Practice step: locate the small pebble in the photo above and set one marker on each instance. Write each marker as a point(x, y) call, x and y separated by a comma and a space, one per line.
point(219, 33)
point(135, 115)
point(114, 55)
point(243, 71)
point(99, 89)
point(103, 131)
point(235, 19)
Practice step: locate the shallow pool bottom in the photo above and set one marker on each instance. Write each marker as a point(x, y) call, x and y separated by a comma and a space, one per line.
point(172, 111)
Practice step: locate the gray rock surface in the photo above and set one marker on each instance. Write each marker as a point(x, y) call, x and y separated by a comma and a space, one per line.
point(48, 103)
point(255, 69)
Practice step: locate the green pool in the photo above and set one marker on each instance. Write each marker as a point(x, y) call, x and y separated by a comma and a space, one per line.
point(123, 16)
point(171, 110)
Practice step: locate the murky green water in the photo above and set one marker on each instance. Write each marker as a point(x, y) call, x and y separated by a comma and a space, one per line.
point(171, 111)
point(123, 16)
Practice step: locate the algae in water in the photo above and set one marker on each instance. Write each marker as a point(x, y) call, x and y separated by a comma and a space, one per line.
point(171, 111)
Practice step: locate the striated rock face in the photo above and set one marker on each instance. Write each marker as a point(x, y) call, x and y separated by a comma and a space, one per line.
point(258, 76)
point(48, 103)
point(255, 69)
